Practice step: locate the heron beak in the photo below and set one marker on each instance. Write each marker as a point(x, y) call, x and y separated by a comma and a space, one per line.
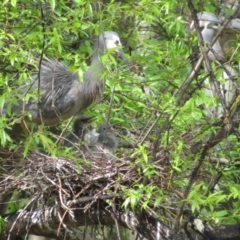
point(86, 119)
point(213, 25)
point(121, 55)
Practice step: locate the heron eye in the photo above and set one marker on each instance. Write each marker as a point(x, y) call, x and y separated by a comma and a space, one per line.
point(117, 42)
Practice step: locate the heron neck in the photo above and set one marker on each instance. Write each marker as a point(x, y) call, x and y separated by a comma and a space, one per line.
point(97, 65)
point(94, 80)
point(97, 58)
point(208, 35)
point(96, 68)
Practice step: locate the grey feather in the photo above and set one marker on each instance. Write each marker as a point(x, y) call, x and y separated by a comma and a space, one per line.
point(106, 138)
point(106, 143)
point(97, 144)
point(210, 24)
point(222, 49)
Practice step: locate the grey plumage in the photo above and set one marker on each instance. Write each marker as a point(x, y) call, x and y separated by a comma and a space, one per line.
point(97, 144)
point(106, 138)
point(221, 50)
point(105, 144)
point(233, 26)
point(33, 237)
point(228, 90)
point(210, 24)
point(62, 95)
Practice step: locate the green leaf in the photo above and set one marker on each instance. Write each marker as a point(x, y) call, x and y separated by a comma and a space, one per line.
point(53, 4)
point(220, 214)
point(14, 3)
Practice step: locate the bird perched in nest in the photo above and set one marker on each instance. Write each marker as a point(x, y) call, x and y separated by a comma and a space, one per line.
point(62, 95)
point(107, 141)
point(79, 132)
point(98, 144)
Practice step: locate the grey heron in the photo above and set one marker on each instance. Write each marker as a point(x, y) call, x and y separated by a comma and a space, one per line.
point(210, 24)
point(62, 95)
point(228, 90)
point(221, 50)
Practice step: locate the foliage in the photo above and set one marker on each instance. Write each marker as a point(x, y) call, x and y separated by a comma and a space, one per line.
point(144, 106)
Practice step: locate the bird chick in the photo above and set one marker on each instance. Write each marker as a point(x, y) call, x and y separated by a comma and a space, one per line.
point(106, 144)
point(106, 137)
point(97, 144)
point(79, 131)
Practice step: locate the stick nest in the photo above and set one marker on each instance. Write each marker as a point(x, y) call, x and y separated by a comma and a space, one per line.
point(44, 180)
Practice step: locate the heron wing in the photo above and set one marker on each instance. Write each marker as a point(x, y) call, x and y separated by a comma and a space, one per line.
point(56, 83)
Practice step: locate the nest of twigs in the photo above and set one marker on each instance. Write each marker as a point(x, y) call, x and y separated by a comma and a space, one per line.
point(46, 180)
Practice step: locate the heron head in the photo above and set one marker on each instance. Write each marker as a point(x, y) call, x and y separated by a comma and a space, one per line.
point(107, 137)
point(104, 128)
point(110, 40)
point(206, 19)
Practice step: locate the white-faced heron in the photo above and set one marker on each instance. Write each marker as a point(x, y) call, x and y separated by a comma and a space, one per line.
point(210, 24)
point(62, 95)
point(221, 50)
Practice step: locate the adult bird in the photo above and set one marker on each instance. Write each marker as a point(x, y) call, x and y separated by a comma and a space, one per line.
point(210, 24)
point(228, 91)
point(62, 95)
point(221, 51)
